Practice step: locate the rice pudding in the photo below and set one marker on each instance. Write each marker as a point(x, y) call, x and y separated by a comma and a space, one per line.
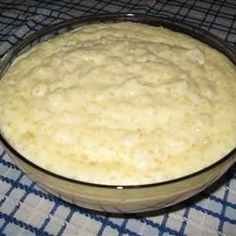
point(120, 103)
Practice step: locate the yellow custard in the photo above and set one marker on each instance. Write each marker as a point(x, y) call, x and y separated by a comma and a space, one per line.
point(120, 103)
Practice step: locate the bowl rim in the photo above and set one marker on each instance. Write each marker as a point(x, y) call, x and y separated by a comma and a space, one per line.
point(195, 32)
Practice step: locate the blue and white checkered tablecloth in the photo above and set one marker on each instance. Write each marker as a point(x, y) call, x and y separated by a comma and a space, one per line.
point(26, 209)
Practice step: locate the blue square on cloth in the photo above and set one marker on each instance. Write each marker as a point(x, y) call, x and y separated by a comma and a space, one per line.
point(56, 219)
point(13, 229)
point(30, 210)
point(10, 201)
point(84, 223)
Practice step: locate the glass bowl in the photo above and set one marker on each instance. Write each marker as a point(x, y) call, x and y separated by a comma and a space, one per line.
point(110, 198)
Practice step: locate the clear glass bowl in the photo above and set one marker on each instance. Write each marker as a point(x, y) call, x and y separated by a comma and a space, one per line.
point(109, 198)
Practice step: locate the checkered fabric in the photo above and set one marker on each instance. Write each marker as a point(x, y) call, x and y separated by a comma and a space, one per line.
point(26, 209)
